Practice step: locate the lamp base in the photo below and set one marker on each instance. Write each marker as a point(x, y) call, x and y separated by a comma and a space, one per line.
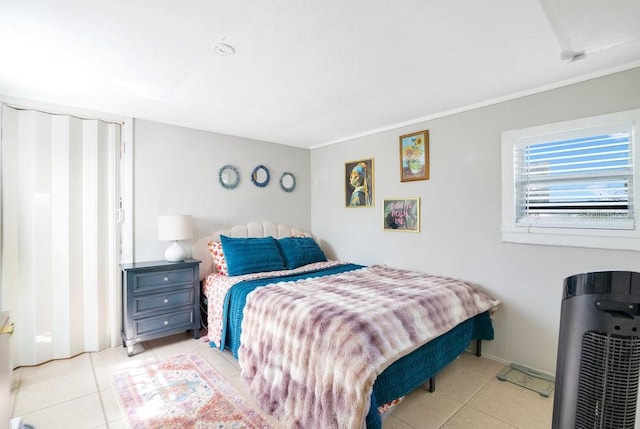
point(175, 253)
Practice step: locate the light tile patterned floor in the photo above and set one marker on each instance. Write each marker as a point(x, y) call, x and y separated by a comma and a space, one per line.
point(76, 393)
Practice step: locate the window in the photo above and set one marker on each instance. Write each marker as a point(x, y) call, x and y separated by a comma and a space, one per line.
point(581, 182)
point(572, 183)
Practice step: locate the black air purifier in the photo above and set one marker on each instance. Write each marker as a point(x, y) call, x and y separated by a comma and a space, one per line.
point(598, 352)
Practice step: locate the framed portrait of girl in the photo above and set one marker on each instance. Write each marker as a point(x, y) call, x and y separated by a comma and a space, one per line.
point(358, 183)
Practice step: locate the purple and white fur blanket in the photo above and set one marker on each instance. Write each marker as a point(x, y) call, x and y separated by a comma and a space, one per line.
point(312, 349)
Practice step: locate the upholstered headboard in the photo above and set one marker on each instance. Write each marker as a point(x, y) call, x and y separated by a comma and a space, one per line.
point(200, 249)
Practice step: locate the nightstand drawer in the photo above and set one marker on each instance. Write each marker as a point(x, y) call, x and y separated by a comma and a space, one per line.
point(148, 281)
point(165, 322)
point(164, 301)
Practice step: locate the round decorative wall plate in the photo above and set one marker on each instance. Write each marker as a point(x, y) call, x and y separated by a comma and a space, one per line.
point(229, 177)
point(288, 182)
point(260, 176)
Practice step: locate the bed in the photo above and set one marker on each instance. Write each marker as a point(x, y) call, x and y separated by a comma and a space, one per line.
point(345, 341)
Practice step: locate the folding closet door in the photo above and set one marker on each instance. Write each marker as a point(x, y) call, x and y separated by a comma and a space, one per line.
point(60, 238)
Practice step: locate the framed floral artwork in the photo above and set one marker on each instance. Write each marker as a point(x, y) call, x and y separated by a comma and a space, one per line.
point(401, 214)
point(358, 183)
point(414, 156)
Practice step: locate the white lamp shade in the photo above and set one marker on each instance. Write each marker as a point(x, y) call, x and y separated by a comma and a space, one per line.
point(175, 227)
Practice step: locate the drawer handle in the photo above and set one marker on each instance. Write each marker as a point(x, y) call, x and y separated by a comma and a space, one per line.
point(166, 322)
point(166, 279)
point(166, 300)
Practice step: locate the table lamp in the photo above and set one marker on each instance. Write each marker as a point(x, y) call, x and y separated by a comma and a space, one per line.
point(175, 228)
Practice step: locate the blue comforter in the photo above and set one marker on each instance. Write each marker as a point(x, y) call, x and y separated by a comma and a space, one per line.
point(401, 377)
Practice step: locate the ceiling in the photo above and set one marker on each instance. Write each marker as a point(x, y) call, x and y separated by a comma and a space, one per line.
point(306, 72)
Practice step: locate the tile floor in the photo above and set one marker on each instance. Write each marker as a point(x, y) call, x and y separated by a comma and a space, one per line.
point(76, 393)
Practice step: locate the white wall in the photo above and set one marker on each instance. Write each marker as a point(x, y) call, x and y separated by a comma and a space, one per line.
point(461, 209)
point(175, 171)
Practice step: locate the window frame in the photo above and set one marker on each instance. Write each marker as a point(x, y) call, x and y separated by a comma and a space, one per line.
point(621, 239)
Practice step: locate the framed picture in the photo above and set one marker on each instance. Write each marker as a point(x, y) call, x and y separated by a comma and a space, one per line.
point(401, 215)
point(414, 156)
point(358, 183)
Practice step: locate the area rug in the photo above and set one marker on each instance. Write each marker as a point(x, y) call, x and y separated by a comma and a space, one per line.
point(182, 392)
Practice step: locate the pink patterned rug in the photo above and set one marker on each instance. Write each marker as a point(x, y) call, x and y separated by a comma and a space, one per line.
point(182, 392)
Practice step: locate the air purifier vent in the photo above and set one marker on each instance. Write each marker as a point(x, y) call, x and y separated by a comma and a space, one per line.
point(608, 381)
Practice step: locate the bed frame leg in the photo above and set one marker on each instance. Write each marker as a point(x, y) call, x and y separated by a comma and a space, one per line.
point(432, 384)
point(432, 380)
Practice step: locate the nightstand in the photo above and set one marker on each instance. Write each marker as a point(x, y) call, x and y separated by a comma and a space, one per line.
point(159, 298)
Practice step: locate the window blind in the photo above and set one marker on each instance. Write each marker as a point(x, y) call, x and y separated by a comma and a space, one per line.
point(578, 182)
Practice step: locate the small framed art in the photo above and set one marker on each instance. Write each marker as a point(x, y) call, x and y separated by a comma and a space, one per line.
point(414, 156)
point(358, 183)
point(401, 214)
